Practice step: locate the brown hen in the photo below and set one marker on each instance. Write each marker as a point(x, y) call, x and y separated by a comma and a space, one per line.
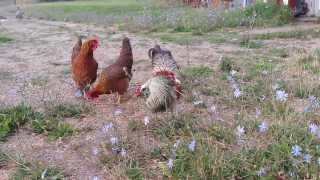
point(115, 78)
point(84, 66)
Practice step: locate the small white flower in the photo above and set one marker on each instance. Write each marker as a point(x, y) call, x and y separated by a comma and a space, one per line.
point(192, 145)
point(240, 131)
point(265, 72)
point(95, 178)
point(296, 150)
point(291, 174)
point(176, 145)
point(106, 128)
point(281, 96)
point(233, 72)
point(213, 109)
point(263, 127)
point(313, 128)
point(170, 163)
point(95, 151)
point(240, 141)
point(262, 172)
point(123, 152)
point(118, 112)
point(146, 120)
point(295, 162)
point(197, 103)
point(258, 112)
point(114, 140)
point(237, 93)
point(234, 86)
point(307, 158)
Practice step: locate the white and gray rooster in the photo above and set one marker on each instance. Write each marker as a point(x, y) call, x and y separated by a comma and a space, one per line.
point(163, 89)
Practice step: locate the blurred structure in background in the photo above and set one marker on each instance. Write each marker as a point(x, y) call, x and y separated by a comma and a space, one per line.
point(298, 7)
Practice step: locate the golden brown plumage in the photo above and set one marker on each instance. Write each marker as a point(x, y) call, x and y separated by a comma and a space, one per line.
point(84, 66)
point(115, 78)
point(76, 48)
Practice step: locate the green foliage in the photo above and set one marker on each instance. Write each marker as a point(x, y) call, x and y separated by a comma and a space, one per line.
point(4, 159)
point(4, 39)
point(311, 62)
point(251, 44)
point(134, 125)
point(150, 16)
point(51, 121)
point(303, 34)
point(60, 130)
point(182, 125)
point(13, 117)
point(133, 171)
point(211, 160)
point(35, 172)
point(226, 65)
point(66, 110)
point(196, 71)
point(222, 134)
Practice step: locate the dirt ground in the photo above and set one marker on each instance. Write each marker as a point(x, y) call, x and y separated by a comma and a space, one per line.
point(35, 67)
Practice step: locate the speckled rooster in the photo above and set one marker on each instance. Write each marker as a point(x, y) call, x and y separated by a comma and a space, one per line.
point(163, 89)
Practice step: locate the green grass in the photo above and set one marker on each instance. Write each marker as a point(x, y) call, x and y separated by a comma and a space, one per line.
point(196, 71)
point(182, 125)
point(51, 121)
point(311, 62)
point(150, 16)
point(25, 170)
point(295, 34)
point(4, 39)
point(66, 110)
point(133, 171)
point(218, 161)
point(4, 159)
point(11, 118)
point(251, 44)
point(110, 7)
point(36, 171)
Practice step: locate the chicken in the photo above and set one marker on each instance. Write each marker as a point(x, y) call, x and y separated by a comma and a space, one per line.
point(159, 94)
point(163, 89)
point(84, 66)
point(116, 77)
point(162, 59)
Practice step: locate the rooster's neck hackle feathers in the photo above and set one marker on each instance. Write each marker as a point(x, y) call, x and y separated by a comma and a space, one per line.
point(86, 49)
point(162, 58)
